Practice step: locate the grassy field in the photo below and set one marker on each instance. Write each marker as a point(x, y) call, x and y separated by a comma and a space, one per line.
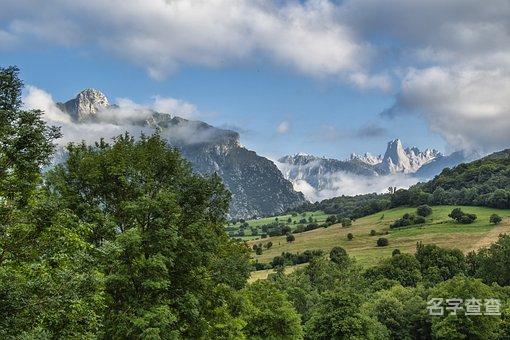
point(291, 220)
point(439, 229)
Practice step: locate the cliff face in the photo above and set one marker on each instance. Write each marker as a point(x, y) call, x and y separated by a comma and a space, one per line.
point(257, 186)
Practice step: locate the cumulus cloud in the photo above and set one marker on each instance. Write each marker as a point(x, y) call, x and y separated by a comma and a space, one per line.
point(283, 127)
point(343, 183)
point(469, 108)
point(161, 35)
point(125, 116)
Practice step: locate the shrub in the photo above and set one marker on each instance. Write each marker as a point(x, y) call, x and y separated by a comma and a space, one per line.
point(350, 236)
point(373, 232)
point(458, 215)
point(424, 210)
point(338, 255)
point(346, 222)
point(291, 238)
point(495, 219)
point(419, 220)
point(395, 252)
point(382, 242)
point(331, 219)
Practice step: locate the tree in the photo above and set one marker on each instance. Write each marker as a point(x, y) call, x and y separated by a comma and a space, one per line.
point(456, 214)
point(160, 229)
point(461, 326)
point(331, 219)
point(338, 316)
point(350, 236)
point(439, 264)
point(339, 256)
point(290, 238)
point(382, 242)
point(26, 142)
point(271, 315)
point(373, 232)
point(491, 264)
point(423, 210)
point(346, 222)
point(495, 219)
point(268, 245)
point(396, 252)
point(403, 268)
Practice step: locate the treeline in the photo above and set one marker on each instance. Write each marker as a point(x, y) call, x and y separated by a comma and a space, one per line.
point(351, 207)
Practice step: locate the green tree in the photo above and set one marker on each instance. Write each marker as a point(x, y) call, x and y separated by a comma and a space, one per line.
point(495, 219)
point(338, 316)
point(271, 315)
point(290, 238)
point(350, 236)
point(382, 242)
point(423, 210)
point(339, 256)
point(463, 326)
point(160, 228)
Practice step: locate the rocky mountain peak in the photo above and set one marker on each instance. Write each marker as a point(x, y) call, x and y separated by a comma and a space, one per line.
point(86, 105)
point(367, 158)
point(408, 160)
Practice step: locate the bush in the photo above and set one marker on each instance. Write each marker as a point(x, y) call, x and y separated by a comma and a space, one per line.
point(382, 242)
point(331, 219)
point(495, 219)
point(373, 232)
point(346, 222)
point(350, 236)
point(338, 255)
point(395, 252)
point(419, 220)
point(458, 215)
point(291, 238)
point(424, 210)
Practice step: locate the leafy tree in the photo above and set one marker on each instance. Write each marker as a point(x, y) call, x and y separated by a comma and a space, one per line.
point(161, 230)
point(491, 264)
point(403, 268)
point(26, 143)
point(290, 238)
point(350, 236)
point(373, 232)
point(331, 219)
point(338, 316)
point(439, 264)
point(396, 252)
point(495, 219)
point(346, 222)
point(271, 315)
point(402, 310)
point(423, 210)
point(461, 326)
point(382, 242)
point(339, 256)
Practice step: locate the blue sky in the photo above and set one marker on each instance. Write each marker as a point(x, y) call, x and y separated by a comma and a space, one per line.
point(322, 71)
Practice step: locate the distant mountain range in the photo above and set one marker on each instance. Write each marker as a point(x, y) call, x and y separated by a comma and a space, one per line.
point(258, 188)
point(320, 174)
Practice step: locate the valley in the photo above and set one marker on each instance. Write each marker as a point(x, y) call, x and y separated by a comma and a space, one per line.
point(439, 229)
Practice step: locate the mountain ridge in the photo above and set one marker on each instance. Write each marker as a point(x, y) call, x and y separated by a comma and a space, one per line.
point(257, 186)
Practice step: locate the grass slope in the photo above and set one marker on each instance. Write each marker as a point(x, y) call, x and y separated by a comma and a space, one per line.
point(439, 229)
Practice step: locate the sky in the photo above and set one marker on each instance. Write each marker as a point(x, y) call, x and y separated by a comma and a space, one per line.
point(322, 77)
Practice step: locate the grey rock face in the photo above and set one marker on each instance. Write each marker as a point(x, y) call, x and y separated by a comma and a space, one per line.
point(87, 104)
point(257, 186)
point(409, 160)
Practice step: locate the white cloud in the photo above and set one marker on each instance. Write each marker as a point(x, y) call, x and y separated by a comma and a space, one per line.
point(161, 35)
point(283, 127)
point(343, 183)
point(470, 108)
point(125, 116)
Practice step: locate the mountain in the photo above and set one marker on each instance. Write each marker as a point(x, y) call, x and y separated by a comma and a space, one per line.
point(366, 158)
point(319, 177)
point(409, 160)
point(257, 186)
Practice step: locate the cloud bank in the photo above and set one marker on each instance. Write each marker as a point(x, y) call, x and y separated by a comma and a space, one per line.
point(343, 183)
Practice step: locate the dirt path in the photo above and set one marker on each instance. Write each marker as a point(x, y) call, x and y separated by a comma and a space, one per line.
point(492, 235)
